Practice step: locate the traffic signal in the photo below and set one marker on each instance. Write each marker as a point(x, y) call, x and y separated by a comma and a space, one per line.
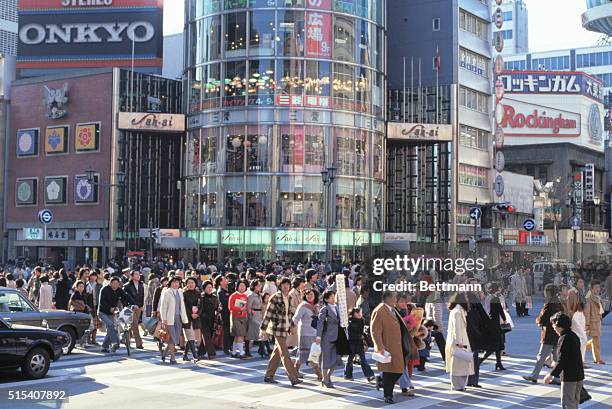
point(504, 207)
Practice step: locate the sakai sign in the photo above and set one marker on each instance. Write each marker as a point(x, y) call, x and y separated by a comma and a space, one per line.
point(420, 132)
point(525, 119)
point(153, 122)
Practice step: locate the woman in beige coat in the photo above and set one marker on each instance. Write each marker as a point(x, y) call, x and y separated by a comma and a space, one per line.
point(457, 337)
point(592, 314)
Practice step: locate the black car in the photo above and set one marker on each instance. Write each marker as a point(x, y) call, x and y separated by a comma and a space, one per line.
point(30, 348)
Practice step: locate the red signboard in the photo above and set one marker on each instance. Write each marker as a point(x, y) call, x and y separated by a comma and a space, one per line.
point(318, 35)
point(318, 4)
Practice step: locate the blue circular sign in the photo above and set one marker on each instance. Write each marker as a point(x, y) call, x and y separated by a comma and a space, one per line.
point(45, 216)
point(529, 225)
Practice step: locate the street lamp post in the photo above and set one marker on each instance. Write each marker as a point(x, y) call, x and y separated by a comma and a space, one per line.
point(328, 175)
point(90, 174)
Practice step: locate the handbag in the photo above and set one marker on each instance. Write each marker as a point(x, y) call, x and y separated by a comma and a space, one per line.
point(161, 332)
point(315, 321)
point(584, 395)
point(217, 337)
point(150, 324)
point(505, 327)
point(315, 352)
point(463, 354)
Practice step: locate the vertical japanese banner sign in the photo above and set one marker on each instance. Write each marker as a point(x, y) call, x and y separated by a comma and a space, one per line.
point(342, 307)
point(318, 29)
point(298, 148)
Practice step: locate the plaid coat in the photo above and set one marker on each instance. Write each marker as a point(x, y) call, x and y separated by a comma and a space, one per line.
point(274, 322)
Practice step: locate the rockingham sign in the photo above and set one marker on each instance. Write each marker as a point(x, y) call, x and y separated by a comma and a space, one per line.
point(551, 107)
point(89, 33)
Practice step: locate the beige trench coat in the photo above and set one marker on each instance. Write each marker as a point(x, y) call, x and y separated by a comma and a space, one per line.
point(457, 334)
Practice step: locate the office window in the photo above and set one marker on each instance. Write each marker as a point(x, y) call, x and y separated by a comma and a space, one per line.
point(473, 175)
point(475, 100)
point(472, 24)
point(507, 34)
point(476, 63)
point(474, 138)
point(507, 15)
point(435, 23)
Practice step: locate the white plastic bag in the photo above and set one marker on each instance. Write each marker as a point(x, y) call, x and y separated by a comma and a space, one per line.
point(315, 352)
point(383, 358)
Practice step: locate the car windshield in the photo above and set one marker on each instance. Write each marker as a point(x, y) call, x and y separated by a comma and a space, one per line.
point(12, 302)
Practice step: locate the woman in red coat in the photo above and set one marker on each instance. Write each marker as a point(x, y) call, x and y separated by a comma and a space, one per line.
point(238, 318)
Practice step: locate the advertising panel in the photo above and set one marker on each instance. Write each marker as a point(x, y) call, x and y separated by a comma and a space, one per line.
point(85, 33)
point(525, 119)
point(518, 191)
point(87, 137)
point(419, 132)
point(154, 122)
point(552, 82)
point(318, 34)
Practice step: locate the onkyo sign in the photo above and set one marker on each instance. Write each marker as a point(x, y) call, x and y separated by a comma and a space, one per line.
point(138, 31)
point(89, 33)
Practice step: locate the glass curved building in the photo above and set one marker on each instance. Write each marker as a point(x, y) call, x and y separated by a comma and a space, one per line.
point(598, 16)
point(277, 92)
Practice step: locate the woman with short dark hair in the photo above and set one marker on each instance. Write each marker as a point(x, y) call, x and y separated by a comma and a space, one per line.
point(327, 335)
point(209, 308)
point(303, 319)
point(254, 317)
point(191, 295)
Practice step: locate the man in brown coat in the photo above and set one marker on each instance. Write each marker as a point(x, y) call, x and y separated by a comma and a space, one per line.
point(389, 334)
point(592, 312)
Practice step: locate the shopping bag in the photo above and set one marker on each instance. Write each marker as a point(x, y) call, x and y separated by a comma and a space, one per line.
point(584, 395)
point(315, 353)
point(150, 324)
point(529, 303)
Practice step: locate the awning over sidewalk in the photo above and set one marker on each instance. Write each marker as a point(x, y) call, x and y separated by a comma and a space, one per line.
point(529, 249)
point(178, 243)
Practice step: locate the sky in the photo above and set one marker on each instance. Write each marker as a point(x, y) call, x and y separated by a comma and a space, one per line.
point(553, 24)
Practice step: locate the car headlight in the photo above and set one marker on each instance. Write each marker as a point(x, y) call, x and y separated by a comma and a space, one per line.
point(61, 339)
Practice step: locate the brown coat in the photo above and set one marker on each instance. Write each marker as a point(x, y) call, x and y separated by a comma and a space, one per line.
point(592, 315)
point(387, 335)
point(573, 297)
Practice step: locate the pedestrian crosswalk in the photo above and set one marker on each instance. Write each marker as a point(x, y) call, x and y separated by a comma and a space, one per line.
point(228, 382)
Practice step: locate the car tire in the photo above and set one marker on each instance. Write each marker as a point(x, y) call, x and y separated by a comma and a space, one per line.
point(71, 335)
point(36, 364)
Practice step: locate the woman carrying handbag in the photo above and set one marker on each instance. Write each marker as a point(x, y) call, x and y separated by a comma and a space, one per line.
point(459, 356)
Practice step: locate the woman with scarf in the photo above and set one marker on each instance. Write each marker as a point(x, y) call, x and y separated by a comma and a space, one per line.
point(209, 308)
point(173, 315)
point(493, 307)
point(191, 295)
point(302, 318)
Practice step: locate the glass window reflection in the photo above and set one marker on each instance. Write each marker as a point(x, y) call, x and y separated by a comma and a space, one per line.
point(262, 33)
point(317, 83)
point(257, 200)
point(234, 200)
point(300, 202)
point(344, 87)
point(290, 77)
point(290, 34)
point(234, 147)
point(235, 83)
point(257, 146)
point(235, 35)
point(211, 86)
point(344, 39)
point(261, 82)
point(208, 201)
point(211, 31)
point(344, 150)
point(209, 151)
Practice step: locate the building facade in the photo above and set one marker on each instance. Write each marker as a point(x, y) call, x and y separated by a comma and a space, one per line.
point(279, 91)
point(448, 54)
point(95, 152)
point(598, 17)
point(553, 126)
point(8, 27)
point(516, 26)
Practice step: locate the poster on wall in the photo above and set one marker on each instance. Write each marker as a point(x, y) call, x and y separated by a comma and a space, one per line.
point(55, 190)
point(55, 140)
point(318, 35)
point(27, 142)
point(87, 137)
point(319, 4)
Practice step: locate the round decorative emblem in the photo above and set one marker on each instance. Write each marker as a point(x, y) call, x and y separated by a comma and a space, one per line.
point(26, 141)
point(24, 192)
point(594, 124)
point(83, 189)
point(53, 190)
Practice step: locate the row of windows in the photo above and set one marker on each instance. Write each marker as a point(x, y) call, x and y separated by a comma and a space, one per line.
point(286, 83)
point(463, 214)
point(473, 175)
point(474, 138)
point(507, 34)
point(593, 59)
point(606, 78)
point(551, 63)
point(475, 100)
point(287, 33)
point(475, 25)
point(507, 15)
point(298, 202)
point(474, 62)
point(55, 190)
point(515, 65)
point(369, 9)
point(236, 149)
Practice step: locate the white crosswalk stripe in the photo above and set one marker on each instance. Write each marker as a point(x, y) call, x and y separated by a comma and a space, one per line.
point(240, 382)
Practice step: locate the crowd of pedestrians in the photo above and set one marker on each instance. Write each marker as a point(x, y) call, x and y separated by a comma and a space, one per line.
point(325, 316)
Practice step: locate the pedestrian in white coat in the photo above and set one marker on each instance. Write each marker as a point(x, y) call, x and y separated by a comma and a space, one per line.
point(173, 316)
point(458, 367)
point(579, 326)
point(45, 294)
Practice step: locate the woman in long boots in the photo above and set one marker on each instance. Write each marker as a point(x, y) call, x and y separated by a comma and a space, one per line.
point(191, 294)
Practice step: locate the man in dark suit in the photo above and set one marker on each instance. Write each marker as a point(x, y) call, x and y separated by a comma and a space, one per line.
point(569, 365)
point(135, 289)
